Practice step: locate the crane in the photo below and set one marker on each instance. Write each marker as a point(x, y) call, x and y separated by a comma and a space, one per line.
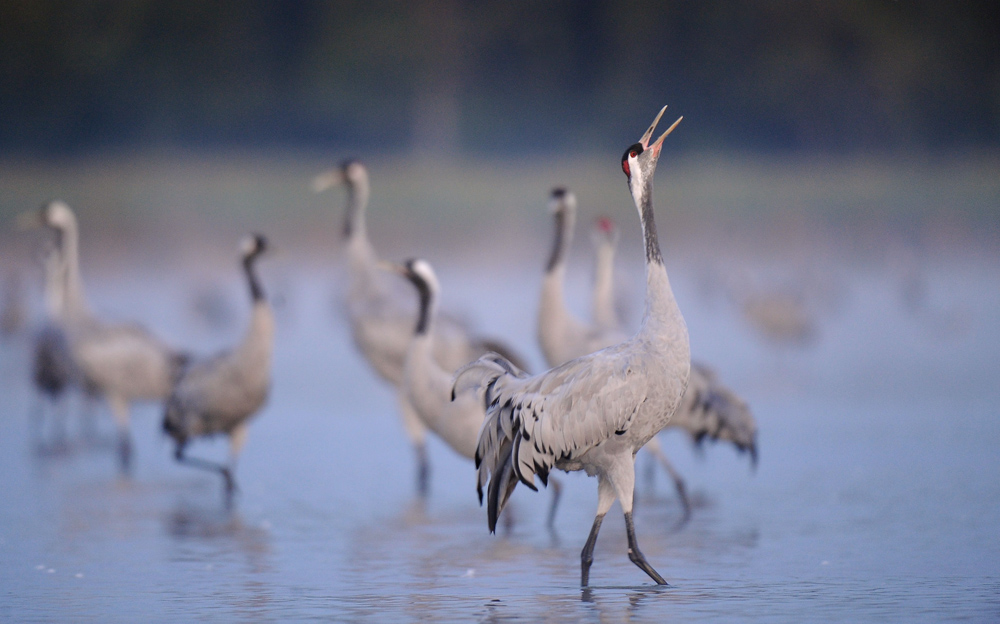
point(594, 412)
point(122, 362)
point(380, 311)
point(220, 394)
point(427, 386)
point(709, 410)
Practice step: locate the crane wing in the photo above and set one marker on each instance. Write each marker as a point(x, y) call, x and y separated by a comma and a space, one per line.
point(532, 423)
point(711, 410)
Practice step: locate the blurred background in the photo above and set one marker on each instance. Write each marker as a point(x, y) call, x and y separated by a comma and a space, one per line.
point(801, 108)
point(830, 215)
point(454, 79)
point(877, 121)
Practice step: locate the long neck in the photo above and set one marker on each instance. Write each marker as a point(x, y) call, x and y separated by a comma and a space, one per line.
point(354, 216)
point(553, 304)
point(55, 286)
point(565, 220)
point(556, 325)
point(603, 297)
point(74, 300)
point(249, 267)
point(652, 242)
point(553, 314)
point(259, 338)
point(365, 278)
point(662, 316)
point(428, 309)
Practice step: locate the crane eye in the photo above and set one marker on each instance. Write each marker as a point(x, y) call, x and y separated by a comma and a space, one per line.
point(632, 154)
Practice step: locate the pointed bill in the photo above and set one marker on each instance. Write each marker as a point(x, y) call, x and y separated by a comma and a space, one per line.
point(327, 180)
point(659, 142)
point(645, 137)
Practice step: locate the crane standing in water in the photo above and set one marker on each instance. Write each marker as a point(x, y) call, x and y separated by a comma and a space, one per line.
point(222, 393)
point(709, 409)
point(428, 387)
point(595, 412)
point(123, 363)
point(380, 311)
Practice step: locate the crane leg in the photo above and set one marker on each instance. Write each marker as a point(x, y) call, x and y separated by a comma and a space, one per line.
point(605, 497)
point(550, 522)
point(587, 556)
point(88, 416)
point(119, 410)
point(59, 418)
point(229, 482)
point(417, 432)
point(423, 471)
point(679, 485)
point(635, 555)
point(623, 480)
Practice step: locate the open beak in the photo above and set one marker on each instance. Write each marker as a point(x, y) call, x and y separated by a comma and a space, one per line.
point(29, 220)
point(327, 180)
point(649, 133)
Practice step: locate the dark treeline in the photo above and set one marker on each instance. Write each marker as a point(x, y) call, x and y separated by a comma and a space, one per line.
point(503, 77)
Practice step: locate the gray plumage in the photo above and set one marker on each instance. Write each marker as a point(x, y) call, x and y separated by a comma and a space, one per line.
point(380, 310)
point(220, 394)
point(709, 410)
point(561, 335)
point(603, 297)
point(427, 386)
point(121, 362)
point(52, 368)
point(595, 412)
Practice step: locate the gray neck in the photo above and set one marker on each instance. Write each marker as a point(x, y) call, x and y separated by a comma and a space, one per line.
point(75, 303)
point(357, 202)
point(565, 222)
point(427, 304)
point(662, 316)
point(249, 266)
point(652, 242)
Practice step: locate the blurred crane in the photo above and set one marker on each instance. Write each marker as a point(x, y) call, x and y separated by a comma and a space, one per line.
point(455, 419)
point(220, 394)
point(381, 312)
point(122, 362)
point(52, 367)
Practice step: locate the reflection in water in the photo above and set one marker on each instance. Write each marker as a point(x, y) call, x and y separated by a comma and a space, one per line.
point(220, 538)
point(612, 608)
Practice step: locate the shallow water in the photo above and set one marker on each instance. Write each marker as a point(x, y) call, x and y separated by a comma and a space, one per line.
point(876, 497)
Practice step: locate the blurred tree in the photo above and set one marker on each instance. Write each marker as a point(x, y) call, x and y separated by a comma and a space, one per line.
point(441, 76)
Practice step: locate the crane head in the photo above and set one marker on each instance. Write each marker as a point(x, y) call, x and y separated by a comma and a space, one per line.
point(55, 214)
point(350, 172)
point(253, 245)
point(561, 199)
point(643, 154)
point(605, 231)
